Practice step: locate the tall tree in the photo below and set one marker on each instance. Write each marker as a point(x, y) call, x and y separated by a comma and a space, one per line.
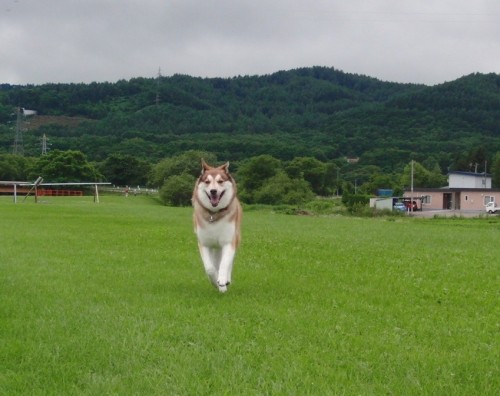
point(311, 170)
point(254, 173)
point(14, 167)
point(126, 170)
point(422, 177)
point(65, 166)
point(185, 163)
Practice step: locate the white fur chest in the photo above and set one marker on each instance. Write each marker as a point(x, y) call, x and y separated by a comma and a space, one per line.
point(216, 234)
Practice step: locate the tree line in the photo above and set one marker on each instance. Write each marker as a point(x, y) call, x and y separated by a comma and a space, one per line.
point(262, 179)
point(316, 112)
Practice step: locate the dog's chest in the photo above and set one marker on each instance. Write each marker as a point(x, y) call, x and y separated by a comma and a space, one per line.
point(218, 233)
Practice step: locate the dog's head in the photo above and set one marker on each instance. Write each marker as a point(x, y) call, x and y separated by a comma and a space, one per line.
point(215, 187)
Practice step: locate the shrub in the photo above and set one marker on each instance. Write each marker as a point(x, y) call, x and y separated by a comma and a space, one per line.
point(355, 201)
point(188, 163)
point(177, 190)
point(324, 206)
point(281, 189)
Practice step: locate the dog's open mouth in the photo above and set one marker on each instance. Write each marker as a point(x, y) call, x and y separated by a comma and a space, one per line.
point(215, 198)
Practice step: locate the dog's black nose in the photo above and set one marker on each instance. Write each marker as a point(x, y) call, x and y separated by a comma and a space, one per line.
point(213, 192)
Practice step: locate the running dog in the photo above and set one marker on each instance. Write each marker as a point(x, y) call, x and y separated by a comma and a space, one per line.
point(217, 218)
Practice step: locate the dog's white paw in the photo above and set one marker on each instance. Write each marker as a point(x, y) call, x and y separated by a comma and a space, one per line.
point(222, 289)
point(222, 286)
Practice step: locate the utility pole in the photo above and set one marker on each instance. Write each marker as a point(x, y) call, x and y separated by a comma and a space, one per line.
point(411, 193)
point(485, 170)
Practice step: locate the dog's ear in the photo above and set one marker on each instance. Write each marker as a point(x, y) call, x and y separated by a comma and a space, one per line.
point(225, 167)
point(204, 166)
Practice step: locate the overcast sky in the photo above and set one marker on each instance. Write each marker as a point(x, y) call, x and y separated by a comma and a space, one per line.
point(419, 41)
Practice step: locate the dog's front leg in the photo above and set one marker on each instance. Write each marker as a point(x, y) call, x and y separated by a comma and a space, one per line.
point(210, 267)
point(226, 267)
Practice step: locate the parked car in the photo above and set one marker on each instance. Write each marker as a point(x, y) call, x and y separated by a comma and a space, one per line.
point(411, 205)
point(400, 206)
point(492, 208)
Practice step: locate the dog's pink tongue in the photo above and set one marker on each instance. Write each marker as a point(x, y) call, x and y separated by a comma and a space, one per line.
point(214, 200)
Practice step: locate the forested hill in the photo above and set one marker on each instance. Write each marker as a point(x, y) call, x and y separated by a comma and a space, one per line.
point(318, 111)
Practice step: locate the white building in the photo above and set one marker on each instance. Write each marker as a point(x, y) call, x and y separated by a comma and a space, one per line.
point(469, 180)
point(465, 191)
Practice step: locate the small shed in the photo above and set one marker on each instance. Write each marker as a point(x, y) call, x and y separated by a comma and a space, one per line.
point(382, 203)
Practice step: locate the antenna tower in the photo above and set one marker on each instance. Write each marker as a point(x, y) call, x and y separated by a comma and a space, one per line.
point(44, 144)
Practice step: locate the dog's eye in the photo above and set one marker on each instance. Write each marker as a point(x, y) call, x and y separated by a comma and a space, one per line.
point(207, 182)
point(220, 181)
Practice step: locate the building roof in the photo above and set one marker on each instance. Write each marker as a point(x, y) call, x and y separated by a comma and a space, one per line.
point(474, 174)
point(453, 189)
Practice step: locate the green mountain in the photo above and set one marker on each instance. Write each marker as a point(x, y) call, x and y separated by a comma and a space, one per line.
point(318, 111)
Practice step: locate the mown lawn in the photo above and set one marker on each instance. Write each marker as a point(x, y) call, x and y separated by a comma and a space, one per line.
point(111, 298)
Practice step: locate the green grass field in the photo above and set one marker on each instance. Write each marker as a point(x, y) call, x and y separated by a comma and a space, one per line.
point(111, 299)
